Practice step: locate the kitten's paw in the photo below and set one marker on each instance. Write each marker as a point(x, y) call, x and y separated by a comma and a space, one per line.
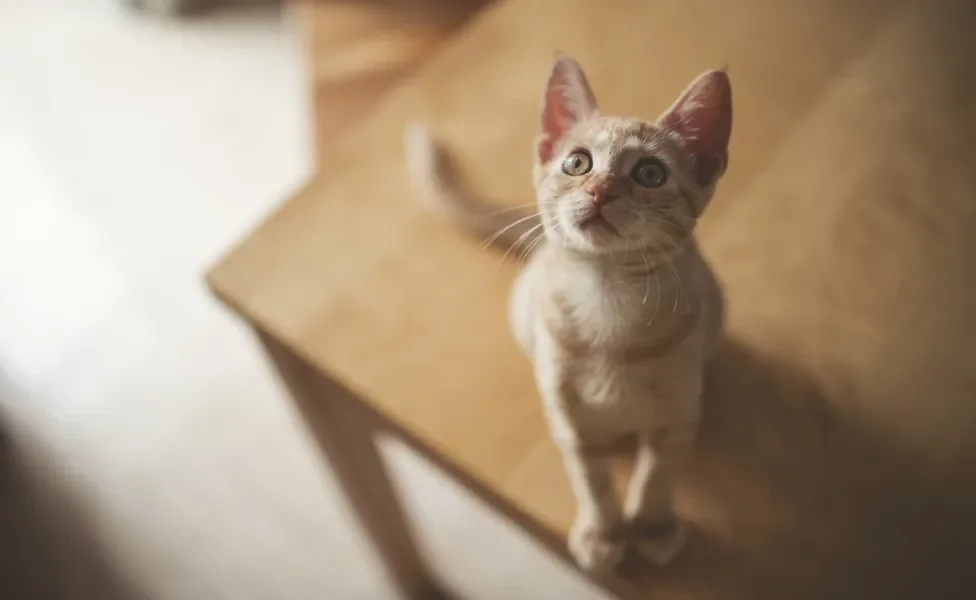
point(658, 541)
point(594, 548)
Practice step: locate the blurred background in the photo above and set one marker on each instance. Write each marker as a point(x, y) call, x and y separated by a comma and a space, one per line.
point(145, 448)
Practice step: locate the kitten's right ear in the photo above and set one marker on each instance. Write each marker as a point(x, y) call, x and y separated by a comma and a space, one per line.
point(702, 118)
point(566, 101)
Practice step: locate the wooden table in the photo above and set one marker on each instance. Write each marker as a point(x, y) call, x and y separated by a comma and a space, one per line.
point(838, 450)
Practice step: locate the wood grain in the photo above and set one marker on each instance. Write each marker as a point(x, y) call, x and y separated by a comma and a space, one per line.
point(839, 441)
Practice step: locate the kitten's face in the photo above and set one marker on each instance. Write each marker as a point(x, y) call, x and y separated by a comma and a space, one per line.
point(608, 183)
point(617, 184)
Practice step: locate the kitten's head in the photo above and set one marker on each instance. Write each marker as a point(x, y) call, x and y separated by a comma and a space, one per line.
point(609, 183)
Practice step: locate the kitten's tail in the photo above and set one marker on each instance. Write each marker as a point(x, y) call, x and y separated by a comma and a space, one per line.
point(434, 175)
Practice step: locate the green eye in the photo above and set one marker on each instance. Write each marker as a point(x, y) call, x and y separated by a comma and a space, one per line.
point(649, 172)
point(579, 162)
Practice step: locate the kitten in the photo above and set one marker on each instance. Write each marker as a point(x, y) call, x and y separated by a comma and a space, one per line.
point(616, 307)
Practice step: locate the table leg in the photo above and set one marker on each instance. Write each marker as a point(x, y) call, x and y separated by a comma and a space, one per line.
point(347, 438)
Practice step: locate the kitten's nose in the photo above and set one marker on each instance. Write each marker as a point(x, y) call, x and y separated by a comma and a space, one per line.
point(601, 193)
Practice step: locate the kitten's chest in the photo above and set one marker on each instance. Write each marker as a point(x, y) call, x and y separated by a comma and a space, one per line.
point(616, 311)
point(605, 315)
point(612, 395)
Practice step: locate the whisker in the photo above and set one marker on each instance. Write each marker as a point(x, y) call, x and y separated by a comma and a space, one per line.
point(518, 242)
point(657, 301)
point(528, 251)
point(681, 286)
point(647, 276)
point(507, 227)
point(680, 229)
point(511, 208)
point(675, 244)
point(674, 272)
point(668, 219)
point(501, 231)
point(505, 209)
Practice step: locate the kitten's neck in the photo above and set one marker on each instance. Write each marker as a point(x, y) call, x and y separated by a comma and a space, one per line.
point(642, 278)
point(639, 260)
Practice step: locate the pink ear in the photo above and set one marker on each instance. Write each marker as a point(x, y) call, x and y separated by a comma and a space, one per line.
point(567, 100)
point(702, 118)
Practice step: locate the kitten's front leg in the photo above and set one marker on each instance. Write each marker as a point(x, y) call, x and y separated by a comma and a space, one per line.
point(657, 533)
point(594, 538)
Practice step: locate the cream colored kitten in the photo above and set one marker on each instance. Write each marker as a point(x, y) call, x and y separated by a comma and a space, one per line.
point(617, 308)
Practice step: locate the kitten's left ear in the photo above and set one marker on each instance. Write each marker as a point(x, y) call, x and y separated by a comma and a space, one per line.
point(702, 118)
point(566, 101)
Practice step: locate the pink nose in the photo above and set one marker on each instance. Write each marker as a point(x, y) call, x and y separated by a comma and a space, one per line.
point(601, 193)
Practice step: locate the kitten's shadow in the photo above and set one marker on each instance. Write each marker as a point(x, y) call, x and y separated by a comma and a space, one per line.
point(791, 496)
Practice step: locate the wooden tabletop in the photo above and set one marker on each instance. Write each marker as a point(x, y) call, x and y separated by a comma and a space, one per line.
point(839, 444)
point(356, 51)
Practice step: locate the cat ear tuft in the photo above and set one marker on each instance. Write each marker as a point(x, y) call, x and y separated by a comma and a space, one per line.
point(566, 101)
point(702, 118)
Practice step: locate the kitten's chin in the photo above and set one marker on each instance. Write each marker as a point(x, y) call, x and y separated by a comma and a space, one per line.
point(589, 236)
point(593, 239)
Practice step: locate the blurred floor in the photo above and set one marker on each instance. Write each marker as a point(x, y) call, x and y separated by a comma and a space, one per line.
point(154, 451)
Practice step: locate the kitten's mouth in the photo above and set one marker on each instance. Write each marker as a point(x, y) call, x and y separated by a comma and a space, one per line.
point(597, 222)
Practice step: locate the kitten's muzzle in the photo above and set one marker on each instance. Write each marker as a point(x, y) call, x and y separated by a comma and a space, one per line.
point(602, 193)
